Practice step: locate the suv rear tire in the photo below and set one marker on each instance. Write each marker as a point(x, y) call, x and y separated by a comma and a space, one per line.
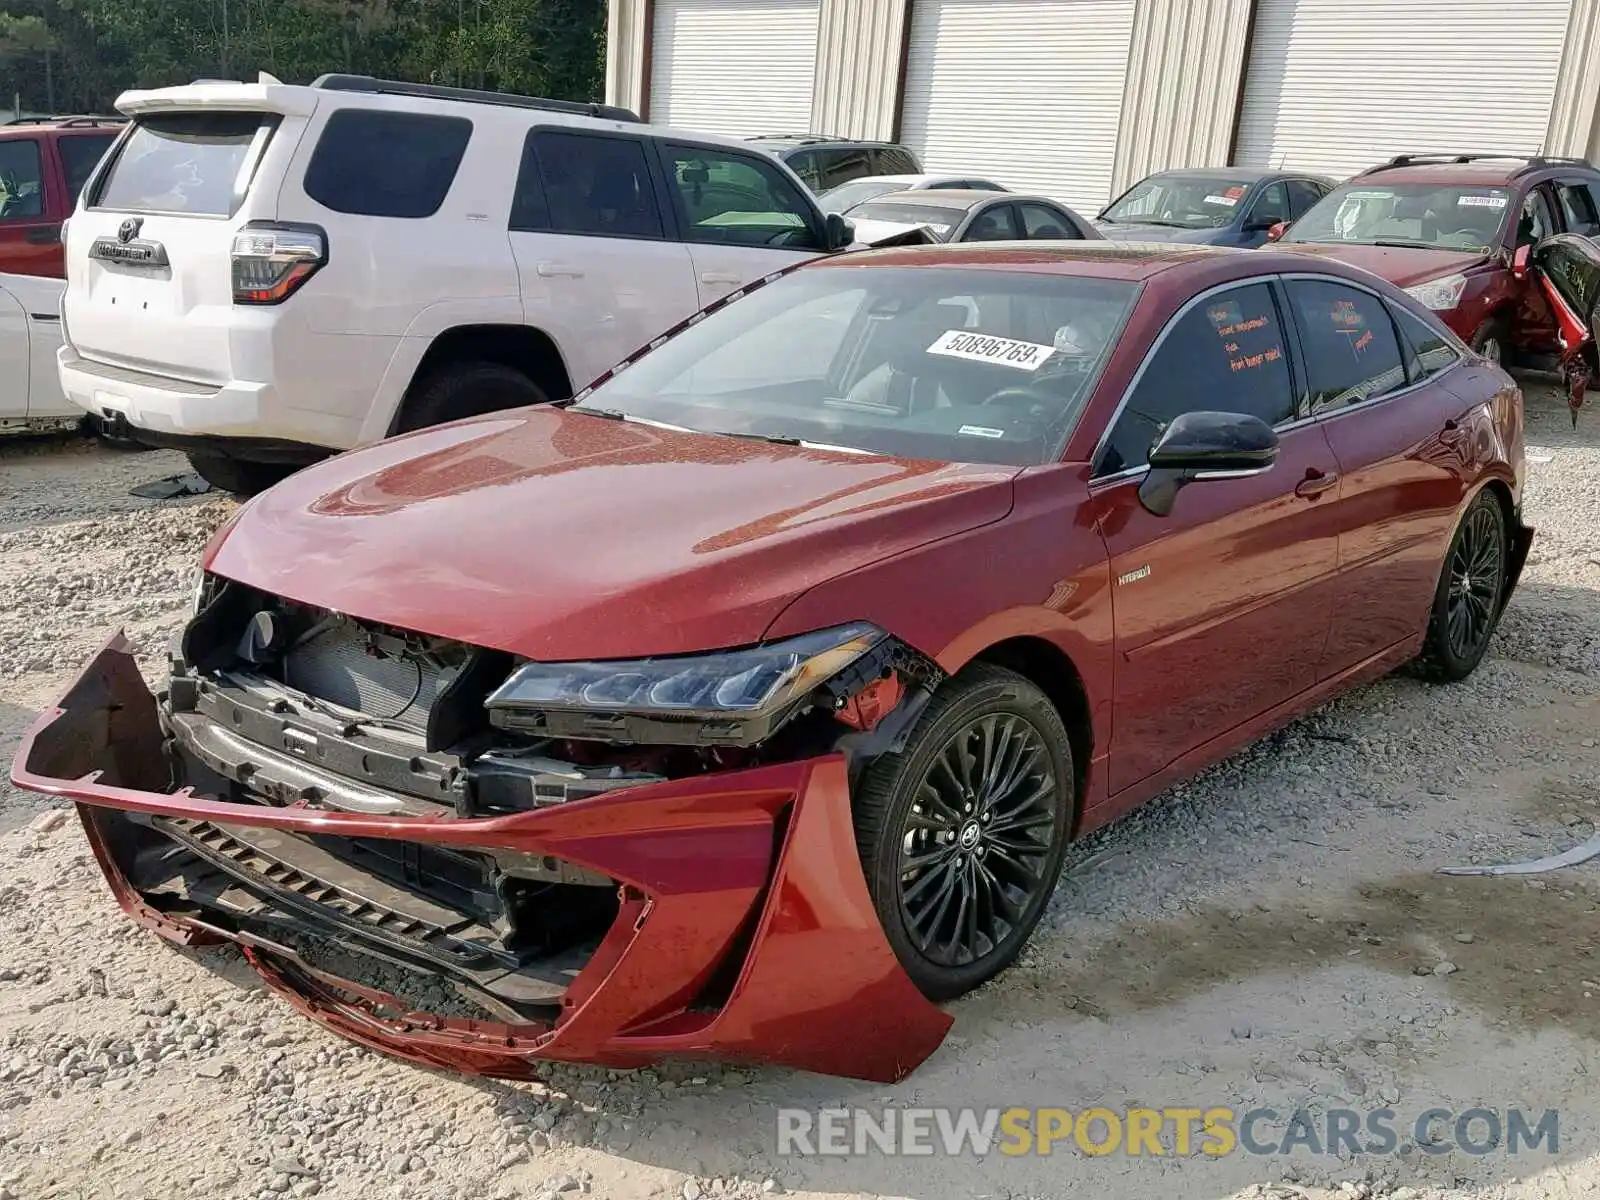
point(467, 390)
point(238, 476)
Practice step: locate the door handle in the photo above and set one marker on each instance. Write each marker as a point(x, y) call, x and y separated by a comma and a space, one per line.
point(549, 270)
point(44, 235)
point(720, 277)
point(1315, 483)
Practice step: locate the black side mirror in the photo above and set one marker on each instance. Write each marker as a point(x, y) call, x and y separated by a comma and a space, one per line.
point(1199, 446)
point(838, 231)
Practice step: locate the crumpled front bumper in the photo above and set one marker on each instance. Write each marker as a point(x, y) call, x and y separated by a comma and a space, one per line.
point(752, 871)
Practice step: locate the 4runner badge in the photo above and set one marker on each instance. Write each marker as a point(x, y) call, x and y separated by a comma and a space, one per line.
point(1134, 576)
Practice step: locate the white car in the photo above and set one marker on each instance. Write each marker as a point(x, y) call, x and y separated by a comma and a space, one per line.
point(262, 274)
point(858, 191)
point(30, 333)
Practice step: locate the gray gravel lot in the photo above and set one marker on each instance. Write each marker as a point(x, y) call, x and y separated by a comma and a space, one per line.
point(1271, 934)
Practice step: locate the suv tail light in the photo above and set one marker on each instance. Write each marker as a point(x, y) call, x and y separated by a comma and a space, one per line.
point(271, 260)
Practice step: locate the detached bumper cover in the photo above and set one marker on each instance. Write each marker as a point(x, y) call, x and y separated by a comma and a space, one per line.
point(754, 872)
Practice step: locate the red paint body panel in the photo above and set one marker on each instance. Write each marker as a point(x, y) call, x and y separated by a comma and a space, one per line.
point(609, 540)
point(819, 990)
point(31, 245)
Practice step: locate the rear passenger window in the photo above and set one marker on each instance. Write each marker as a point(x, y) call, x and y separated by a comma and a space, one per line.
point(1577, 206)
point(1427, 351)
point(1350, 350)
point(21, 180)
point(1040, 223)
point(804, 164)
point(1226, 355)
point(80, 154)
point(587, 184)
point(841, 166)
point(892, 160)
point(386, 164)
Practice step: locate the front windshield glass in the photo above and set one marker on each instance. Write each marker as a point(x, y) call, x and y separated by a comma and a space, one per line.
point(940, 220)
point(1181, 203)
point(1423, 215)
point(847, 195)
point(946, 364)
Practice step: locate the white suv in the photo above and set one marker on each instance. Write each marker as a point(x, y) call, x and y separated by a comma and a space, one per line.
point(261, 274)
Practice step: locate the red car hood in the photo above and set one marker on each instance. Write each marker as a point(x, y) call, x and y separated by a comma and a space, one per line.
point(1402, 266)
point(561, 536)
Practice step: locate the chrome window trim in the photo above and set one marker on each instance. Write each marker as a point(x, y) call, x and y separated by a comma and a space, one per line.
point(1283, 427)
point(1149, 357)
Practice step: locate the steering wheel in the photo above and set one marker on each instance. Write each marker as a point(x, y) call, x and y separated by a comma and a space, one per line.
point(1015, 395)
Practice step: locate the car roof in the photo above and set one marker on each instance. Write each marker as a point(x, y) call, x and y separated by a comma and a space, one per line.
point(33, 126)
point(1131, 261)
point(273, 95)
point(1484, 174)
point(951, 198)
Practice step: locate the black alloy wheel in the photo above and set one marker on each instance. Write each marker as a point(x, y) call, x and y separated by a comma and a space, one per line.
point(1467, 603)
point(963, 834)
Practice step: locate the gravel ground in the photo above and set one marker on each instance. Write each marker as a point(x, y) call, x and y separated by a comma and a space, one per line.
point(1271, 934)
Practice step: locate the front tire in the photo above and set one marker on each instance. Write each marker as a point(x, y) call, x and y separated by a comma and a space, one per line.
point(238, 476)
point(962, 834)
point(1466, 604)
point(1491, 340)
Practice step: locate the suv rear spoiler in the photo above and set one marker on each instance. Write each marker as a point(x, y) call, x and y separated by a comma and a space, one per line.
point(265, 95)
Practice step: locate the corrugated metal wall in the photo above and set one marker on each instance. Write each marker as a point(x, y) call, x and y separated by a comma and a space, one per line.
point(1183, 86)
point(1181, 96)
point(627, 43)
point(858, 68)
point(1575, 115)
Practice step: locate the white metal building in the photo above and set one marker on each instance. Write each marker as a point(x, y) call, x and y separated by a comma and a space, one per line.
point(1079, 98)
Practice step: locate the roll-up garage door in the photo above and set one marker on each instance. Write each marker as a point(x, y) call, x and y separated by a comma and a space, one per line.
point(1026, 92)
point(734, 67)
point(1338, 85)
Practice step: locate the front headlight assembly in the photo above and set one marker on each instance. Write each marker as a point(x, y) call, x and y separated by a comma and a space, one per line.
point(1441, 295)
point(724, 698)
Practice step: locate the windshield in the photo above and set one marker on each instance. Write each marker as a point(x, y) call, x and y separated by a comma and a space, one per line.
point(940, 220)
point(847, 195)
point(1181, 203)
point(945, 364)
point(1407, 214)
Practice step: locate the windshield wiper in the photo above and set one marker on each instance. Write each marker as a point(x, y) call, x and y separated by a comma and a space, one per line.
point(777, 439)
point(609, 414)
point(1403, 245)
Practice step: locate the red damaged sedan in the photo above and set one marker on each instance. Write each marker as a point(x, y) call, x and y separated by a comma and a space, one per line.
point(744, 705)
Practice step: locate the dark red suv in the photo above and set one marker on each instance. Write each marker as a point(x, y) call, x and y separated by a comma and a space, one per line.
point(1446, 230)
point(44, 163)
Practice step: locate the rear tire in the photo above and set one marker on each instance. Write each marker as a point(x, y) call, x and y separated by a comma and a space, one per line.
point(961, 835)
point(1466, 604)
point(238, 476)
point(467, 390)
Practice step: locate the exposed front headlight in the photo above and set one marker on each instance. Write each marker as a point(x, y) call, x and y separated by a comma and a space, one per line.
point(728, 697)
point(1441, 295)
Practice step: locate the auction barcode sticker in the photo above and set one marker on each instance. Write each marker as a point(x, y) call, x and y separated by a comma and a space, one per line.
point(1471, 201)
point(983, 347)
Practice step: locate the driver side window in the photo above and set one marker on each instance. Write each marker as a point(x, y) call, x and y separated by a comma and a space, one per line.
point(726, 199)
point(1224, 355)
point(1536, 223)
